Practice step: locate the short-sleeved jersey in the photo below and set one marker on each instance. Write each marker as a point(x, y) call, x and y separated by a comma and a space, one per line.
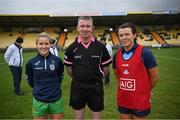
point(87, 60)
point(147, 57)
point(133, 79)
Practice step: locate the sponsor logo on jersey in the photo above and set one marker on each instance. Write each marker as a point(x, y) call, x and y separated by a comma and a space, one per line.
point(127, 84)
point(125, 65)
point(39, 68)
point(37, 62)
point(95, 56)
point(78, 56)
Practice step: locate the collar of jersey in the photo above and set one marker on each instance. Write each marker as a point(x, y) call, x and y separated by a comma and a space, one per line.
point(80, 39)
point(46, 56)
point(85, 45)
point(131, 50)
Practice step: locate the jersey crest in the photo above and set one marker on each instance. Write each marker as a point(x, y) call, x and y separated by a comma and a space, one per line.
point(52, 66)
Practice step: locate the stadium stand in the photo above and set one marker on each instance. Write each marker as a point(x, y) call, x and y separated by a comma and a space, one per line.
point(8, 37)
point(70, 37)
point(115, 39)
point(145, 41)
point(147, 35)
point(99, 31)
point(170, 34)
point(61, 40)
point(30, 40)
point(158, 38)
point(51, 31)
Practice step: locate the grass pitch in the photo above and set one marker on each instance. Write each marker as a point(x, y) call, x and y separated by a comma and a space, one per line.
point(165, 97)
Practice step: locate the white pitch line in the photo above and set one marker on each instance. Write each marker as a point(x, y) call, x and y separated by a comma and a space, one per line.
point(6, 63)
point(165, 57)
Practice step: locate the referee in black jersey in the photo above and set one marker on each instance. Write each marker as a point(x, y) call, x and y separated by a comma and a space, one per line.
point(87, 61)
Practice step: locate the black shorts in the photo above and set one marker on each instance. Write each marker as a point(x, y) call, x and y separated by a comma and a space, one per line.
point(138, 113)
point(90, 94)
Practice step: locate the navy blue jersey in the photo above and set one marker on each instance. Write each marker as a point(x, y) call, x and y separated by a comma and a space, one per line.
point(147, 57)
point(45, 75)
point(87, 60)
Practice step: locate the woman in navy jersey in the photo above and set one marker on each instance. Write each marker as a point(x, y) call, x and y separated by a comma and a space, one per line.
point(136, 71)
point(44, 74)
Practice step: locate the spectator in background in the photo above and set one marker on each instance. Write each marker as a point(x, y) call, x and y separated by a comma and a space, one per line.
point(13, 56)
point(83, 60)
point(53, 48)
point(136, 71)
point(110, 51)
point(44, 74)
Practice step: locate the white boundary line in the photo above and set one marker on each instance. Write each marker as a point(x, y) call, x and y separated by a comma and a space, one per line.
point(6, 63)
point(159, 56)
point(165, 57)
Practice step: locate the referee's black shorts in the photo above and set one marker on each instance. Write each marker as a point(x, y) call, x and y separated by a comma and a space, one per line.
point(90, 94)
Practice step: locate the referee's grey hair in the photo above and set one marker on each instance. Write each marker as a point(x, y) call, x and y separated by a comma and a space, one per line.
point(85, 18)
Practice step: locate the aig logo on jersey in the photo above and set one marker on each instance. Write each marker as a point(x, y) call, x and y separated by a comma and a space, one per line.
point(127, 84)
point(52, 66)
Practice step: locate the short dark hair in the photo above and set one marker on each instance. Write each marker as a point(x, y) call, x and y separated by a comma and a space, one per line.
point(103, 39)
point(53, 41)
point(19, 40)
point(128, 25)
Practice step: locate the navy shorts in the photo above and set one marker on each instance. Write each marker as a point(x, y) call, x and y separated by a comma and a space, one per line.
point(138, 113)
point(90, 94)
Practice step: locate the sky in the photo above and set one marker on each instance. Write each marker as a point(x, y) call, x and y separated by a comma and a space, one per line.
point(77, 7)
